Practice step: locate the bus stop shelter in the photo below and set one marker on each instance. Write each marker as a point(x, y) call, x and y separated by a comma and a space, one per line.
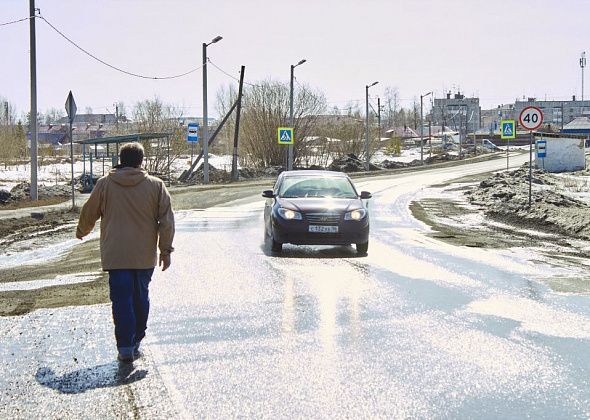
point(90, 149)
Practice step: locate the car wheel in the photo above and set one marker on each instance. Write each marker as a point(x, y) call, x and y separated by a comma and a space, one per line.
point(362, 248)
point(276, 246)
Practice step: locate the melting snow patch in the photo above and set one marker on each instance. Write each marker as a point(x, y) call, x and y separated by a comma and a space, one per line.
point(58, 281)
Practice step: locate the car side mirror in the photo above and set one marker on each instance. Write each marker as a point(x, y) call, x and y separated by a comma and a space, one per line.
point(365, 195)
point(268, 194)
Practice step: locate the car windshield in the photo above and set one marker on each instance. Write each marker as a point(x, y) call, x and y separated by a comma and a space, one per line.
point(317, 186)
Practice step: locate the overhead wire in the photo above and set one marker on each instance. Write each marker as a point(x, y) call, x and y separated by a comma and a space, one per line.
point(230, 75)
point(113, 66)
point(16, 21)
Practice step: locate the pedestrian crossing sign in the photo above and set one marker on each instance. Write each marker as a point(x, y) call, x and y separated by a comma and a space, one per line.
point(285, 135)
point(508, 128)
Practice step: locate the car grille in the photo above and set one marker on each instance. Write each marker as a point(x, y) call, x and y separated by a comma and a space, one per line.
point(323, 218)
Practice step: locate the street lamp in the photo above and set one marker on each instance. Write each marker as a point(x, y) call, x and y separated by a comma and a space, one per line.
point(422, 128)
point(291, 122)
point(205, 116)
point(582, 65)
point(367, 124)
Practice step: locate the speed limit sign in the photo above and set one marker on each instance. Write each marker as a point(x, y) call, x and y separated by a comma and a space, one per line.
point(531, 118)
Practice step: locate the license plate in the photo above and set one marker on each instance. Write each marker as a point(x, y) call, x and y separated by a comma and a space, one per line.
point(323, 229)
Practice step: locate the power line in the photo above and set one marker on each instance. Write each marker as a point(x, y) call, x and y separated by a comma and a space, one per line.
point(115, 67)
point(16, 21)
point(228, 74)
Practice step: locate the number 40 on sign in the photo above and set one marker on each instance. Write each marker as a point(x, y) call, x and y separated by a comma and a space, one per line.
point(531, 118)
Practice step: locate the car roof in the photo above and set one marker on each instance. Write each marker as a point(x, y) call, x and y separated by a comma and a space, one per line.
point(304, 173)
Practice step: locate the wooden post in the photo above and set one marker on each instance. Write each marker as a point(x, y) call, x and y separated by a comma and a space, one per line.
point(234, 163)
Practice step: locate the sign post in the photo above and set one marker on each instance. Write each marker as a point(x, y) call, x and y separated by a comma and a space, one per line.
point(530, 119)
point(507, 132)
point(71, 110)
point(193, 137)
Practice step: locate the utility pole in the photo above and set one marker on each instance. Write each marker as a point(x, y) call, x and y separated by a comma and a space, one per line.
point(33, 115)
point(117, 117)
point(235, 174)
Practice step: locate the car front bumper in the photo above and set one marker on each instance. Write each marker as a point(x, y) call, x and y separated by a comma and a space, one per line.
point(297, 232)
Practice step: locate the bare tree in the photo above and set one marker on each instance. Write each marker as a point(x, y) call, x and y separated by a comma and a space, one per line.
point(265, 108)
point(391, 103)
point(13, 143)
point(52, 115)
point(153, 116)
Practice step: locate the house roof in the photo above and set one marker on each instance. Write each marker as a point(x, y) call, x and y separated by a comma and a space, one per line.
point(124, 138)
point(580, 123)
point(402, 132)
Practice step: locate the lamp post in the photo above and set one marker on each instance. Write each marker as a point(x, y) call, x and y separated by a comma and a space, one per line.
point(422, 128)
point(367, 124)
point(582, 65)
point(205, 145)
point(291, 121)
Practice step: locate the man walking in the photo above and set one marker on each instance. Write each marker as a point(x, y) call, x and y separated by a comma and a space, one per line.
point(136, 219)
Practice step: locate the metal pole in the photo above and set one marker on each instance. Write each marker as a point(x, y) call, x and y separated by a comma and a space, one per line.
point(582, 65)
point(508, 149)
point(460, 136)
point(290, 147)
point(421, 133)
point(205, 116)
point(367, 127)
point(379, 118)
point(430, 138)
point(33, 115)
point(530, 167)
point(72, 163)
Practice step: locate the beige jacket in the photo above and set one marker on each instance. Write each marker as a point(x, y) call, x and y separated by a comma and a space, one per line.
point(135, 210)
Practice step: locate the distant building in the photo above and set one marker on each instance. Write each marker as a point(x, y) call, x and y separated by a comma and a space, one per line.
point(402, 133)
point(557, 113)
point(54, 135)
point(454, 111)
point(92, 119)
point(490, 118)
point(183, 121)
point(580, 125)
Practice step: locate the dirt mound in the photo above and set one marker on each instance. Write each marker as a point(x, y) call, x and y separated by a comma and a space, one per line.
point(22, 192)
point(350, 163)
point(505, 197)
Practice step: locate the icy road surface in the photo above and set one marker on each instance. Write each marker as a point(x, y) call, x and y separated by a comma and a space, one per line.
point(416, 329)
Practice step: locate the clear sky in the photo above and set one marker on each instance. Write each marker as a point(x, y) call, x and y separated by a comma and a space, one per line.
point(498, 50)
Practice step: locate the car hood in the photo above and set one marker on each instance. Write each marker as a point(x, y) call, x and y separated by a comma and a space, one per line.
point(320, 205)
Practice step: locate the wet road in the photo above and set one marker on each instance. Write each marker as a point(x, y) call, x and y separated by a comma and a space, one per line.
point(415, 329)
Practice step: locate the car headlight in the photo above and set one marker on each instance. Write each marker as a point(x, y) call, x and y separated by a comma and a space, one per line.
point(289, 214)
point(357, 214)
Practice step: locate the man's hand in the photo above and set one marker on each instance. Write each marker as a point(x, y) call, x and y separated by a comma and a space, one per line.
point(164, 261)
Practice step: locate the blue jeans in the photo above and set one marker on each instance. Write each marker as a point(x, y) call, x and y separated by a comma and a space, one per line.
point(131, 306)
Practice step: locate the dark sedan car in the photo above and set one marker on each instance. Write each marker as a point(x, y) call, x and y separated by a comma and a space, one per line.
point(316, 208)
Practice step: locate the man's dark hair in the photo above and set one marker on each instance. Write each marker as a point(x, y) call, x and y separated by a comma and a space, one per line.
point(131, 155)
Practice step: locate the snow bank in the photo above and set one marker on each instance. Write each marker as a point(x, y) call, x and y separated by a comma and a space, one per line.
point(555, 207)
